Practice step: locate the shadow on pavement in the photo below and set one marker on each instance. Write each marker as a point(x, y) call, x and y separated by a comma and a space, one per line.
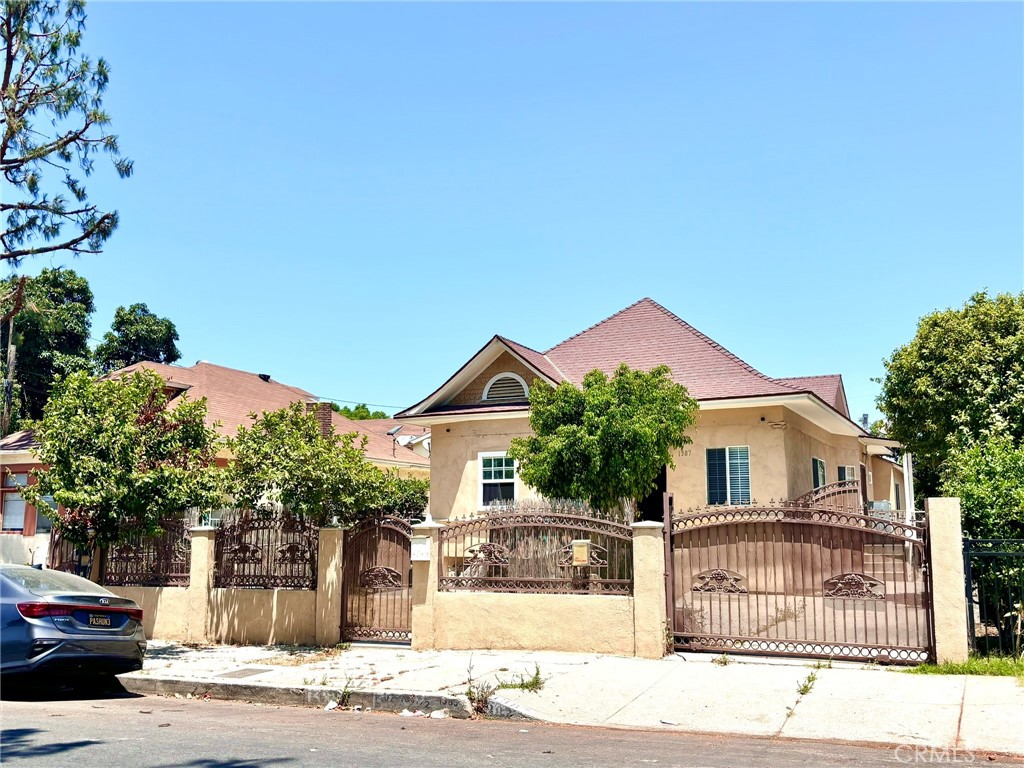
point(41, 688)
point(18, 742)
point(229, 763)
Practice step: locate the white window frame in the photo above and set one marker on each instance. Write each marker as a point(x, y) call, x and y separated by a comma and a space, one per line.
point(13, 483)
point(480, 475)
point(822, 473)
point(506, 375)
point(728, 474)
point(850, 470)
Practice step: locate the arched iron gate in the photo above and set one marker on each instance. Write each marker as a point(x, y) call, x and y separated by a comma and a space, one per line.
point(797, 580)
point(377, 581)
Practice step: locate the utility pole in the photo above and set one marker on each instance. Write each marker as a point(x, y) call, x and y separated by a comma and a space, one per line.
point(8, 393)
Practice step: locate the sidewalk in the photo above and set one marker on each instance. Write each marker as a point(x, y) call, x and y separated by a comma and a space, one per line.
point(684, 692)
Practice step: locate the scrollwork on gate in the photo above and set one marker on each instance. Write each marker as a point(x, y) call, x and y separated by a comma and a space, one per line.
point(720, 580)
point(487, 554)
point(855, 586)
point(380, 578)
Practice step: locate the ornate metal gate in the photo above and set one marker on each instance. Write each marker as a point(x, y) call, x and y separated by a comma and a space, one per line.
point(377, 581)
point(800, 580)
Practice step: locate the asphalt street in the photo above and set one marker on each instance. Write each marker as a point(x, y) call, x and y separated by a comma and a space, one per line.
point(47, 727)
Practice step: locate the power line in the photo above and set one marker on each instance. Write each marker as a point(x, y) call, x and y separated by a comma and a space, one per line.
point(359, 402)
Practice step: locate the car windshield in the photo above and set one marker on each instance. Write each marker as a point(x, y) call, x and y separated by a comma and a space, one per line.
point(47, 582)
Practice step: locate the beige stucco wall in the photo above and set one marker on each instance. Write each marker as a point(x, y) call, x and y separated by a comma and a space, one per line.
point(258, 616)
point(165, 610)
point(474, 391)
point(580, 623)
point(455, 472)
point(721, 429)
point(24, 550)
point(949, 600)
point(805, 441)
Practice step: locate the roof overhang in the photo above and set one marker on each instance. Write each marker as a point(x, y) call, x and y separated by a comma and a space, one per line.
point(806, 404)
point(20, 456)
point(433, 419)
point(490, 352)
point(879, 446)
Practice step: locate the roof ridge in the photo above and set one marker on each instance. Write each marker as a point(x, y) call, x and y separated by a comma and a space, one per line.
point(600, 322)
point(815, 376)
point(711, 342)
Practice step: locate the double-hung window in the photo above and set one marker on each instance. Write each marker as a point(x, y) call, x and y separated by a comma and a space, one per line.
point(729, 475)
point(14, 505)
point(818, 477)
point(497, 479)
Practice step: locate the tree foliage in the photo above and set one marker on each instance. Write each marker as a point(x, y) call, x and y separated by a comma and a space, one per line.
point(118, 459)
point(399, 496)
point(606, 442)
point(53, 127)
point(359, 413)
point(283, 458)
point(136, 335)
point(987, 474)
point(51, 333)
point(961, 376)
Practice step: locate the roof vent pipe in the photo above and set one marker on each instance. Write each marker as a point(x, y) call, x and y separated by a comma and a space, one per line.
point(264, 376)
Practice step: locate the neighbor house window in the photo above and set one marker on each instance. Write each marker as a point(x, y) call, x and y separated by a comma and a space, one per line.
point(847, 473)
point(497, 479)
point(818, 476)
point(729, 475)
point(14, 505)
point(899, 496)
point(44, 515)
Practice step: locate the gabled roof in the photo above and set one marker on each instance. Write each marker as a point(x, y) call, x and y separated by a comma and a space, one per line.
point(643, 335)
point(828, 387)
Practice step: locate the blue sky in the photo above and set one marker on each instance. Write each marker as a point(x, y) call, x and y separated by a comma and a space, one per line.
point(355, 198)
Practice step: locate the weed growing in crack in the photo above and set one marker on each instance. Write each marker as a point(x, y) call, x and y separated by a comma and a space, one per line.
point(533, 683)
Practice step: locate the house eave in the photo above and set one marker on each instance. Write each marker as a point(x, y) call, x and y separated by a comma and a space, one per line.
point(806, 404)
point(432, 419)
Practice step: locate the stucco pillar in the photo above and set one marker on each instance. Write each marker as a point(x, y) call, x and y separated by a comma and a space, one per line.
point(949, 596)
point(425, 575)
point(649, 589)
point(200, 584)
point(328, 586)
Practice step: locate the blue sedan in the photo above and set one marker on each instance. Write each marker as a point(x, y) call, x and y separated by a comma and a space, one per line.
point(51, 621)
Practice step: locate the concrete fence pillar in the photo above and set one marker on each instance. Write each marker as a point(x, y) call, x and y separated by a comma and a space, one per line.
point(200, 584)
point(649, 589)
point(425, 575)
point(329, 585)
point(949, 595)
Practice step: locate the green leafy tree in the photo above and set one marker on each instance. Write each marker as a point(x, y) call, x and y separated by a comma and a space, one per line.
point(283, 458)
point(606, 442)
point(987, 474)
point(52, 129)
point(399, 496)
point(51, 333)
point(359, 413)
point(136, 335)
point(961, 376)
point(118, 459)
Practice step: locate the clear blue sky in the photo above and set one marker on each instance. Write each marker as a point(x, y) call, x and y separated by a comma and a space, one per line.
point(354, 198)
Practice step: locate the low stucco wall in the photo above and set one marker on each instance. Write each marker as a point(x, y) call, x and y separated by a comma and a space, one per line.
point(262, 616)
point(515, 622)
point(24, 550)
point(165, 610)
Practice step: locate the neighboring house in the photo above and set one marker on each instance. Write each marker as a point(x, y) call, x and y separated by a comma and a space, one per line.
point(414, 437)
point(231, 396)
point(757, 438)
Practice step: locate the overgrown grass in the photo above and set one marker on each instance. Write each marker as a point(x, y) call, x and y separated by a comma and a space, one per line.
point(1001, 666)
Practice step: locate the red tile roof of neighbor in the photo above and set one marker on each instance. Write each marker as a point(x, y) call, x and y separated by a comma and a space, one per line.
point(18, 441)
point(645, 335)
point(381, 427)
point(379, 447)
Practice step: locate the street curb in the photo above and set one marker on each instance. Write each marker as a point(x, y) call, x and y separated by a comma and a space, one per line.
point(499, 706)
point(302, 696)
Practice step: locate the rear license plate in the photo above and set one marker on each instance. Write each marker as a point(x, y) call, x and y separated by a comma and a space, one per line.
point(97, 620)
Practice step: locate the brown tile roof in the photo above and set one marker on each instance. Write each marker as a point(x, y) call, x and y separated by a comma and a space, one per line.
point(381, 427)
point(231, 395)
point(828, 387)
point(645, 335)
point(534, 358)
point(379, 447)
point(18, 441)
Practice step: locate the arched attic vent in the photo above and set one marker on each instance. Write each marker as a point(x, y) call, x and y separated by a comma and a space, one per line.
point(506, 386)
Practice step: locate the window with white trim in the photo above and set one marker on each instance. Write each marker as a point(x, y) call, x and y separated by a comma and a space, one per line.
point(14, 505)
point(818, 476)
point(728, 472)
point(847, 472)
point(497, 478)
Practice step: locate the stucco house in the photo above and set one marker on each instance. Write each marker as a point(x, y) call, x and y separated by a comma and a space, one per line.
point(757, 438)
point(231, 395)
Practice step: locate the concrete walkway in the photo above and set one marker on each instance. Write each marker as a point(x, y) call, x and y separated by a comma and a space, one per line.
point(685, 692)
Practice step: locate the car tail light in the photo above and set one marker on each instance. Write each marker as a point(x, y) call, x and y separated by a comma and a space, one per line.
point(40, 610)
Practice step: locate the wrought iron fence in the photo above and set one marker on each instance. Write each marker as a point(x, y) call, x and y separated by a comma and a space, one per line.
point(994, 574)
point(255, 550)
point(69, 557)
point(162, 560)
point(537, 547)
